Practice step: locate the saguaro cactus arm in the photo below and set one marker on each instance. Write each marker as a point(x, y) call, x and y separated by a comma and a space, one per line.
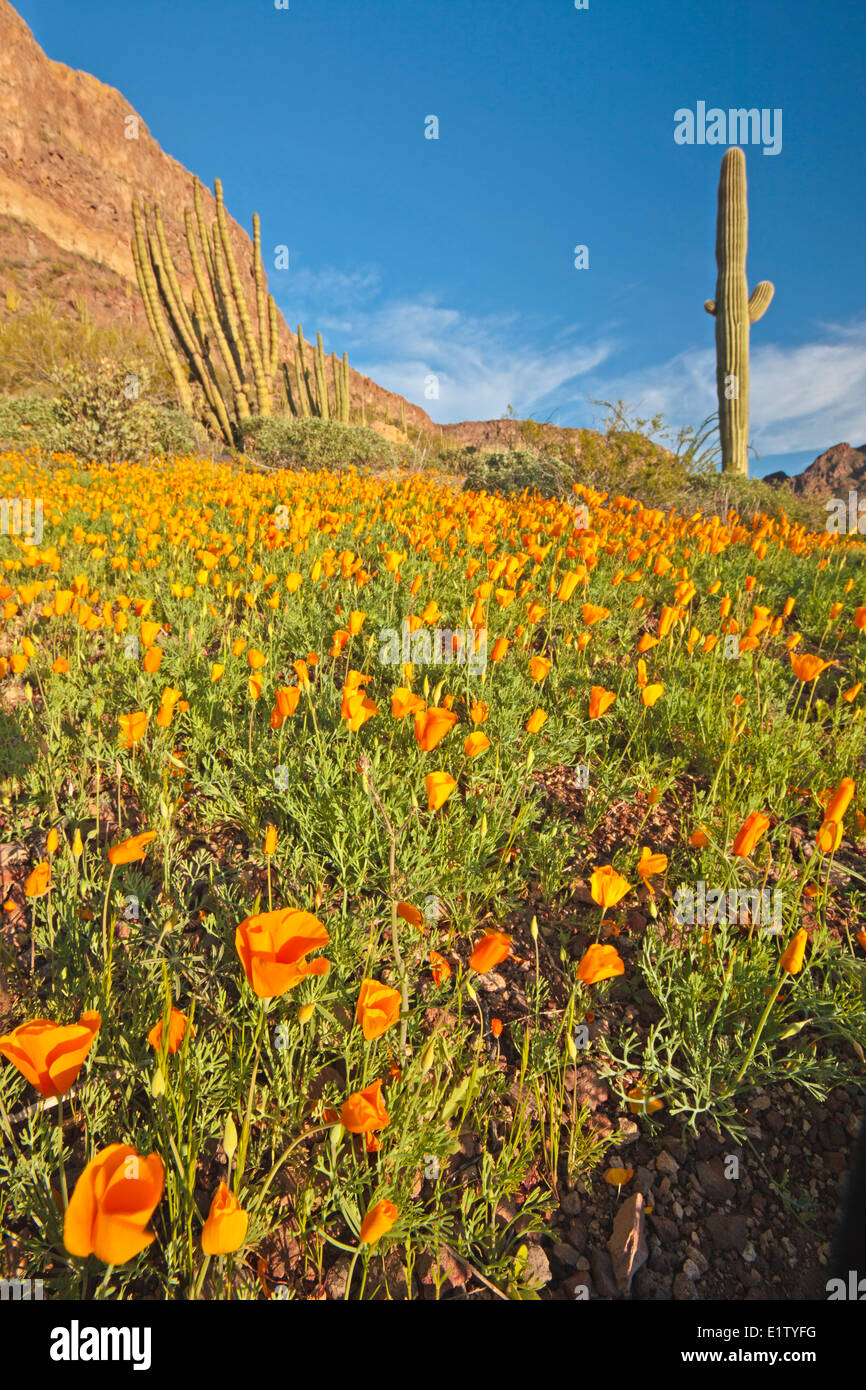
point(759, 300)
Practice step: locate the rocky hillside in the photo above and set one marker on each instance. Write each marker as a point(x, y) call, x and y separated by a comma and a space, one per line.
point(68, 175)
point(834, 473)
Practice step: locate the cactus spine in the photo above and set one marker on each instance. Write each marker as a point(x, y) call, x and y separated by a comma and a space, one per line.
point(734, 310)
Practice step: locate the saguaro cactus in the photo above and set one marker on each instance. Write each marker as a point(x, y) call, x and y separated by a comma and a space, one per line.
point(734, 309)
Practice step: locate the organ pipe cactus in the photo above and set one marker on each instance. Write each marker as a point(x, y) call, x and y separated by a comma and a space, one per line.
point(214, 343)
point(734, 310)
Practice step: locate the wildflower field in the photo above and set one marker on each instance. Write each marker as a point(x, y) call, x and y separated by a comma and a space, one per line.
point(361, 835)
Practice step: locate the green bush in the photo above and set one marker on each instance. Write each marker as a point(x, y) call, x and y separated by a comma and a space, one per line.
point(27, 420)
point(514, 470)
point(720, 493)
point(286, 442)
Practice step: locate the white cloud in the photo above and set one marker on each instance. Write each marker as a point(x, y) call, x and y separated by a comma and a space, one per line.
point(482, 364)
point(802, 398)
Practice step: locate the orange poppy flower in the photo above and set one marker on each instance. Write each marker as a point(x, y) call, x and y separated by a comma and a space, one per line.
point(216, 671)
point(403, 702)
point(600, 963)
point(500, 647)
point(50, 1055)
point(61, 666)
point(607, 886)
point(493, 948)
point(225, 1229)
point(791, 959)
point(600, 700)
point(496, 1027)
point(152, 660)
point(177, 1026)
point(754, 827)
point(378, 1008)
point(618, 1177)
point(255, 659)
point(286, 699)
point(650, 864)
point(410, 914)
point(593, 614)
point(640, 1103)
point(37, 881)
point(132, 850)
point(112, 1203)
point(273, 947)
point(132, 727)
point(535, 721)
point(431, 726)
point(475, 743)
point(365, 1111)
point(438, 786)
point(852, 692)
point(441, 968)
point(478, 711)
point(651, 693)
point(378, 1222)
point(806, 668)
point(699, 838)
point(539, 667)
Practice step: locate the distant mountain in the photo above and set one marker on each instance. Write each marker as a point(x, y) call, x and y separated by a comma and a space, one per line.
point(839, 470)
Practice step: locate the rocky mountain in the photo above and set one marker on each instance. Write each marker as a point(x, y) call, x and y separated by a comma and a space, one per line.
point(73, 155)
point(839, 470)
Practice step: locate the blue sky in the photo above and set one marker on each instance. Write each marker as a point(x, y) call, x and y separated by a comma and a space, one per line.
point(455, 257)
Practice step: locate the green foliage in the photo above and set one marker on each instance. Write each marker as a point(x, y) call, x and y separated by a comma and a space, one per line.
point(514, 470)
point(36, 343)
point(285, 442)
point(28, 420)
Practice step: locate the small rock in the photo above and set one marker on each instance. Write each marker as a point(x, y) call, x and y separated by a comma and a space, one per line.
point(749, 1252)
point(578, 1236)
point(678, 1211)
point(566, 1254)
point(666, 1230)
point(691, 1271)
point(684, 1289)
point(537, 1270)
point(666, 1163)
point(602, 1274)
point(727, 1230)
point(627, 1131)
point(337, 1275)
point(698, 1258)
point(627, 1244)
point(711, 1177)
point(571, 1203)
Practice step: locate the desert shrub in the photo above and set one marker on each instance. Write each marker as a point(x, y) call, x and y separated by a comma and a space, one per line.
point(102, 412)
point(169, 431)
point(27, 420)
point(287, 442)
point(719, 493)
point(514, 470)
point(35, 343)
